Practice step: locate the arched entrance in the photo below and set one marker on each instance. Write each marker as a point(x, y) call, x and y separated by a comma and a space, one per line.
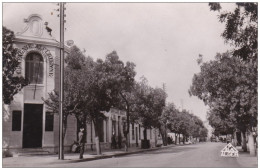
point(33, 113)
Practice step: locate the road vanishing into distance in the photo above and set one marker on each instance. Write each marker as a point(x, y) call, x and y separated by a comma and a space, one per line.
point(205, 154)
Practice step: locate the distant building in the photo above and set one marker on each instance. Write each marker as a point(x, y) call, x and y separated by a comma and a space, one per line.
point(26, 121)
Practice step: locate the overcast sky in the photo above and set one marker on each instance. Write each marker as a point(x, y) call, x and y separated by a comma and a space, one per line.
point(162, 39)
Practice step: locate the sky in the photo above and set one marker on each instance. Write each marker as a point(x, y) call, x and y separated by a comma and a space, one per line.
point(162, 39)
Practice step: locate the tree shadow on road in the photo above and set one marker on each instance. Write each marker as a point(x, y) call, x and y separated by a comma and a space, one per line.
point(162, 151)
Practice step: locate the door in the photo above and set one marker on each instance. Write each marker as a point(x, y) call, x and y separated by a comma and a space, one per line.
point(136, 135)
point(32, 126)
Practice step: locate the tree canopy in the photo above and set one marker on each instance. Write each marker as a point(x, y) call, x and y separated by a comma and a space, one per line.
point(241, 28)
point(229, 87)
point(12, 82)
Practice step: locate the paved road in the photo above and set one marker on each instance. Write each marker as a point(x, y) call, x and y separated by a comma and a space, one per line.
point(196, 155)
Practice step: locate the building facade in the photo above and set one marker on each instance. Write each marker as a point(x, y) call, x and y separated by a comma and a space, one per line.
point(27, 123)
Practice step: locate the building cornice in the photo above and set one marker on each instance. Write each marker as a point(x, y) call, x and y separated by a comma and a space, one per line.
point(41, 41)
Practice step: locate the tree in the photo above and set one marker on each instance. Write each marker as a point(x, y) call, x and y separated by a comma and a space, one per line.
point(75, 82)
point(168, 118)
point(221, 125)
point(228, 86)
point(149, 105)
point(204, 132)
point(12, 82)
point(241, 29)
point(113, 81)
point(182, 122)
point(121, 77)
point(198, 125)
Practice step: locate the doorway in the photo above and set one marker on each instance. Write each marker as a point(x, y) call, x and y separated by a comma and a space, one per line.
point(136, 139)
point(32, 125)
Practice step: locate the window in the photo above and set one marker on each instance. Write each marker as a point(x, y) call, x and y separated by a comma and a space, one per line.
point(133, 132)
point(16, 121)
point(34, 68)
point(49, 121)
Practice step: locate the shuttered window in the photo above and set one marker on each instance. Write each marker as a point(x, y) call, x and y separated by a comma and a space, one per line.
point(49, 119)
point(16, 121)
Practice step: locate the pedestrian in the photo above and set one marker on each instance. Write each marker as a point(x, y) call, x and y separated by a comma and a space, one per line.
point(81, 142)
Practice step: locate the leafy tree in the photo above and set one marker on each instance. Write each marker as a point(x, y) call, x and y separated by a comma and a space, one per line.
point(121, 77)
point(168, 118)
point(241, 31)
point(204, 132)
point(75, 82)
point(12, 82)
point(149, 105)
point(241, 27)
point(111, 83)
point(182, 122)
point(221, 125)
point(228, 86)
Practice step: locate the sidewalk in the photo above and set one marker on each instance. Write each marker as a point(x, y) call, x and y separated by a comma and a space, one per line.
point(245, 160)
point(43, 160)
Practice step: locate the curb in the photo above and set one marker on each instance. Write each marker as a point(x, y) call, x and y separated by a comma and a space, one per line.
point(114, 155)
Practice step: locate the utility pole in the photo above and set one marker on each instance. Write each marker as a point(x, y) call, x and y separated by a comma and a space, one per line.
point(61, 98)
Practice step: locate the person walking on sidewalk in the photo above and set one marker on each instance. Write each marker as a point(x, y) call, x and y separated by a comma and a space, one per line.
point(81, 142)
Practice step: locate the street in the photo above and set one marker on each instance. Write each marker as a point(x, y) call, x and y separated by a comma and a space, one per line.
point(196, 155)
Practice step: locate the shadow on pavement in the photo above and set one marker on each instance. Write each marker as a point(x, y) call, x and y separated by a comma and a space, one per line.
point(161, 151)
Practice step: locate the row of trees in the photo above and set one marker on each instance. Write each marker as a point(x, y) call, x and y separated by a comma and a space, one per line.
point(183, 122)
point(92, 88)
point(228, 84)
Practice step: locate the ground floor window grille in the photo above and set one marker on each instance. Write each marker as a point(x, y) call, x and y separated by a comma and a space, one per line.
point(49, 121)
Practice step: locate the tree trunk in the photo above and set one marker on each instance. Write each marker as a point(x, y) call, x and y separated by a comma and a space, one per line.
point(126, 143)
point(126, 132)
point(98, 149)
point(244, 147)
point(234, 140)
point(251, 144)
point(179, 138)
point(91, 136)
point(176, 136)
point(64, 127)
point(164, 137)
point(183, 139)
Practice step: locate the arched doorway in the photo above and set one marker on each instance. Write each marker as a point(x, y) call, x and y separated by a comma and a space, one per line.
point(33, 113)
